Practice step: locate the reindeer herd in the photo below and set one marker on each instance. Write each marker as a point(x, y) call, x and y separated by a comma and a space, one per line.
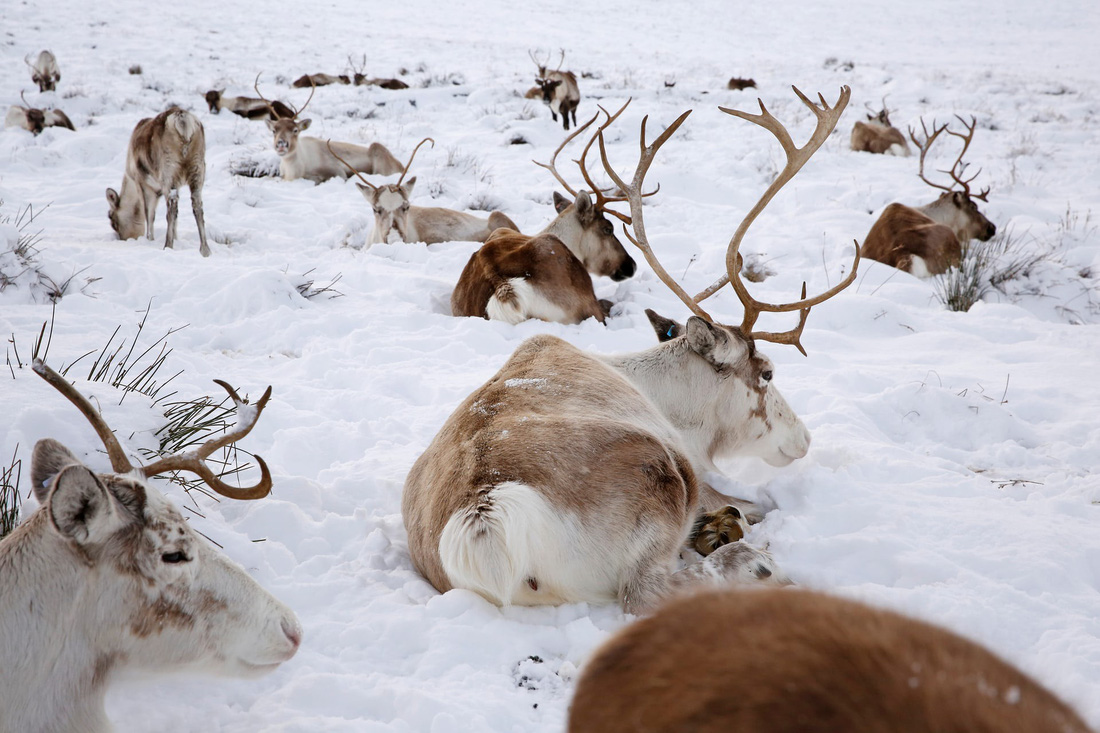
point(569, 476)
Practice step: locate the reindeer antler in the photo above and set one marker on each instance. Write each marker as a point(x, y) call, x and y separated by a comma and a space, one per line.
point(560, 60)
point(540, 65)
point(425, 140)
point(256, 86)
point(360, 176)
point(827, 118)
point(925, 146)
point(187, 461)
point(958, 168)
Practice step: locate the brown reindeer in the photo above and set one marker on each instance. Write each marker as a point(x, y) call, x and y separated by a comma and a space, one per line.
point(360, 79)
point(877, 135)
point(572, 476)
point(310, 157)
point(319, 80)
point(559, 90)
point(247, 107)
point(521, 277)
point(35, 120)
point(928, 240)
point(798, 661)
point(165, 153)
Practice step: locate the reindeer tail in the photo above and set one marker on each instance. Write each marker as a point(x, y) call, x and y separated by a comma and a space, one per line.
point(186, 124)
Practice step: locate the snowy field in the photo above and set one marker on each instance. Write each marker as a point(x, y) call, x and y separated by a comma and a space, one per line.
point(953, 473)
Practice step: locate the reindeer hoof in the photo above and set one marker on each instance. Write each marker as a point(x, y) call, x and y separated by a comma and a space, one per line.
point(715, 529)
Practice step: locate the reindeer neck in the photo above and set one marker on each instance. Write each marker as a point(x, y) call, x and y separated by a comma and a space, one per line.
point(51, 679)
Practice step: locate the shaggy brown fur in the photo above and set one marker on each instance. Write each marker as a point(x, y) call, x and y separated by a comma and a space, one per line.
point(875, 137)
point(902, 232)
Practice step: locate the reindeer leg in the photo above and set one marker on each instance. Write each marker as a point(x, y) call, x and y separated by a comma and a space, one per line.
point(196, 209)
point(734, 564)
point(150, 198)
point(716, 529)
point(173, 199)
point(712, 500)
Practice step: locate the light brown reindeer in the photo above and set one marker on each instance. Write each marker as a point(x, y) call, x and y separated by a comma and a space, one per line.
point(877, 135)
point(44, 71)
point(248, 107)
point(165, 153)
point(558, 88)
point(320, 80)
point(107, 577)
point(395, 219)
point(571, 476)
point(928, 240)
point(310, 157)
point(797, 661)
point(515, 277)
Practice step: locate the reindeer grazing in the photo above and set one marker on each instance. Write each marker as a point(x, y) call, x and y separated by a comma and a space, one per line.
point(106, 576)
point(927, 240)
point(559, 89)
point(877, 135)
point(44, 71)
point(517, 277)
point(248, 107)
point(309, 157)
point(779, 661)
point(319, 80)
point(571, 476)
point(165, 152)
point(35, 120)
point(395, 218)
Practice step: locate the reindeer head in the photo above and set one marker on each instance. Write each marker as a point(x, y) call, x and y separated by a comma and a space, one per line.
point(127, 220)
point(956, 208)
point(592, 237)
point(390, 201)
point(548, 87)
point(285, 129)
point(36, 120)
point(212, 99)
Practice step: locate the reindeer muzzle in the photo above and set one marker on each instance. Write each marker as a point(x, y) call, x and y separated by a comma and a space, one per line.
point(626, 270)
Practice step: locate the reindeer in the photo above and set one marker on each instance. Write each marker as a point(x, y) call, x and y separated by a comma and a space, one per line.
point(35, 120)
point(877, 135)
point(44, 71)
point(248, 107)
point(559, 89)
point(778, 661)
point(319, 80)
point(927, 240)
point(309, 157)
point(520, 277)
point(361, 79)
point(395, 218)
point(165, 152)
point(107, 576)
point(571, 476)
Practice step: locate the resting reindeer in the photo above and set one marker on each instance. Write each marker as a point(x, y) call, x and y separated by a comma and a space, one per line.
point(572, 476)
point(559, 90)
point(107, 576)
point(248, 107)
point(35, 120)
point(165, 153)
point(780, 661)
point(361, 79)
point(395, 219)
point(520, 277)
point(320, 80)
point(929, 239)
point(44, 71)
point(309, 157)
point(877, 135)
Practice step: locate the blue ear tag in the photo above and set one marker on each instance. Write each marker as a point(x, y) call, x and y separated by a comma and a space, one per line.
point(669, 334)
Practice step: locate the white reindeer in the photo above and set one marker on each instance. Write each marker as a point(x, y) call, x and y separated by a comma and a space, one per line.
point(571, 476)
point(165, 153)
point(106, 576)
point(44, 71)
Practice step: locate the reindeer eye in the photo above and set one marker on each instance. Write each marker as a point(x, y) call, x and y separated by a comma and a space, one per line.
point(766, 376)
point(173, 558)
point(607, 228)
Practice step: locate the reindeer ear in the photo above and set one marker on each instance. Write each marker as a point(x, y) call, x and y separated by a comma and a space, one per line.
point(560, 202)
point(701, 335)
point(112, 198)
point(585, 210)
point(47, 459)
point(270, 124)
point(408, 185)
point(666, 328)
point(78, 504)
point(303, 125)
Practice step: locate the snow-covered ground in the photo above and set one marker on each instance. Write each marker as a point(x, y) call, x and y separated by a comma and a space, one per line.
point(953, 473)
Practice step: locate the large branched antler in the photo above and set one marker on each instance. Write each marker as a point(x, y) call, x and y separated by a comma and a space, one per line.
point(192, 461)
point(827, 118)
point(958, 168)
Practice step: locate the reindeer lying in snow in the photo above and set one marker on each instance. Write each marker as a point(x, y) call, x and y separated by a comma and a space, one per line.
point(395, 219)
point(165, 152)
point(519, 277)
point(35, 120)
point(106, 575)
point(309, 157)
point(319, 80)
point(571, 476)
point(44, 71)
point(779, 661)
point(248, 107)
point(927, 240)
point(877, 135)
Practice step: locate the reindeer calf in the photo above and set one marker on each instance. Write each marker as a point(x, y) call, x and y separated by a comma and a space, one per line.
point(165, 152)
point(781, 661)
point(44, 71)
